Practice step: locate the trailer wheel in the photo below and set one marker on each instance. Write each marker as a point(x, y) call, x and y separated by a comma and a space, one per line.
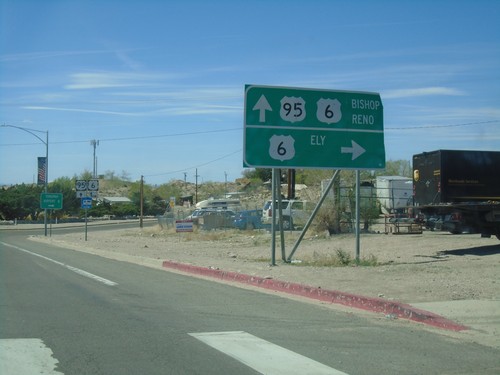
point(456, 228)
point(287, 223)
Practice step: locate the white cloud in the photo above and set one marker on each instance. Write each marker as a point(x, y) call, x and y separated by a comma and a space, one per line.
point(121, 54)
point(200, 110)
point(85, 81)
point(41, 108)
point(198, 93)
point(424, 116)
point(423, 91)
point(46, 55)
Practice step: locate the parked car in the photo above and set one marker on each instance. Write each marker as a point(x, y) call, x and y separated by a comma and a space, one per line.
point(196, 214)
point(295, 212)
point(216, 219)
point(249, 219)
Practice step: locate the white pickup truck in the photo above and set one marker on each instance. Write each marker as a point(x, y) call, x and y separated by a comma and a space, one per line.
point(295, 213)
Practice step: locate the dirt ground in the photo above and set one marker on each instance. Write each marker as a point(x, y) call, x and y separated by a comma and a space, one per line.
point(411, 268)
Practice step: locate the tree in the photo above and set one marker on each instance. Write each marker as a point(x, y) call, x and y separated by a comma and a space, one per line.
point(263, 174)
point(169, 190)
point(98, 210)
point(86, 175)
point(66, 186)
point(124, 209)
point(20, 201)
point(153, 203)
point(158, 206)
point(125, 176)
point(397, 168)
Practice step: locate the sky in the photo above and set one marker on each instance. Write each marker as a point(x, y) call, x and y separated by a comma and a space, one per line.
point(161, 84)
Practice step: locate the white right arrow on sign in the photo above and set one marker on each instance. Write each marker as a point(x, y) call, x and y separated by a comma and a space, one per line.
point(356, 150)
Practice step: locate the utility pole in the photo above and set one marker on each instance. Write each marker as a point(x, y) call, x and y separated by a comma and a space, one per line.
point(225, 184)
point(291, 184)
point(94, 143)
point(196, 187)
point(142, 201)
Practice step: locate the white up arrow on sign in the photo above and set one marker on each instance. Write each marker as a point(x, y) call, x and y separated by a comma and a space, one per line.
point(356, 150)
point(262, 105)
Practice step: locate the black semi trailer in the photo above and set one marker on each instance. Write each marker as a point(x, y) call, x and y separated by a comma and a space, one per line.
point(461, 188)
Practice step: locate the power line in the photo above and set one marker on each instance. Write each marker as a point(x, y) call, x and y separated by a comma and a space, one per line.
point(170, 135)
point(443, 126)
point(195, 166)
point(132, 138)
point(234, 129)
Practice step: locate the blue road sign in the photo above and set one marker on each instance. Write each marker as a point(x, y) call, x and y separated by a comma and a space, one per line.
point(86, 203)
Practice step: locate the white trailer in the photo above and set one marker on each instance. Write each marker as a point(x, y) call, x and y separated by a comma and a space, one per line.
point(219, 203)
point(394, 192)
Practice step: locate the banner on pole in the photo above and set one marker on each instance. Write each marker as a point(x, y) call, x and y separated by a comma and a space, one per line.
point(42, 170)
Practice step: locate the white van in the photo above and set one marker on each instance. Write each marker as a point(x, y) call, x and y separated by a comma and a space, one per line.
point(295, 212)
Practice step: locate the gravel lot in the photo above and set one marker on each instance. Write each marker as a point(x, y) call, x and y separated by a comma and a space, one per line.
point(411, 268)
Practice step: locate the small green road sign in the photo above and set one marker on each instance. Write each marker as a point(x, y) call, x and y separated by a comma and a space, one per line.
point(286, 127)
point(51, 201)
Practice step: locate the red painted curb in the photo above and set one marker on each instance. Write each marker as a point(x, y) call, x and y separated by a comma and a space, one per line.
point(400, 310)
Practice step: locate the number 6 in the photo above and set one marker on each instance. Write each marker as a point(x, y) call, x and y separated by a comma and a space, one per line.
point(281, 149)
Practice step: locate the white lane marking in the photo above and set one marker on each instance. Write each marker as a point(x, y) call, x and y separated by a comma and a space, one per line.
point(71, 268)
point(26, 357)
point(263, 356)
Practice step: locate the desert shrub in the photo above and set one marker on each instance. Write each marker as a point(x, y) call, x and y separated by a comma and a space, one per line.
point(340, 258)
point(343, 257)
point(327, 219)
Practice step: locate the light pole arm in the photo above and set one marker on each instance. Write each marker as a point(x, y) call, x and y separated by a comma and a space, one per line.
point(31, 131)
point(46, 143)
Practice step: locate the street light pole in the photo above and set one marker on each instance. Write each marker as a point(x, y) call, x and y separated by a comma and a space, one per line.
point(46, 143)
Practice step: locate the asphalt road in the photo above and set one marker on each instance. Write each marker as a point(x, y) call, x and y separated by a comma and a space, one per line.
point(101, 316)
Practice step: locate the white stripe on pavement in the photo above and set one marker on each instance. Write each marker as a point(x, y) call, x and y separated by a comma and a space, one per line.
point(26, 357)
point(74, 269)
point(263, 356)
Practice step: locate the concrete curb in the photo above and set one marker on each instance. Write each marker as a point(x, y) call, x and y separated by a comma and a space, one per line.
point(396, 309)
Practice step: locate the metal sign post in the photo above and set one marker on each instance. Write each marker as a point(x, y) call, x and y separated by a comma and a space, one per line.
point(273, 221)
point(86, 190)
point(86, 204)
point(357, 214)
point(86, 224)
point(52, 201)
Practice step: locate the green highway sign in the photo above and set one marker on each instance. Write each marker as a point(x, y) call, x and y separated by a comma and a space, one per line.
point(286, 127)
point(51, 201)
